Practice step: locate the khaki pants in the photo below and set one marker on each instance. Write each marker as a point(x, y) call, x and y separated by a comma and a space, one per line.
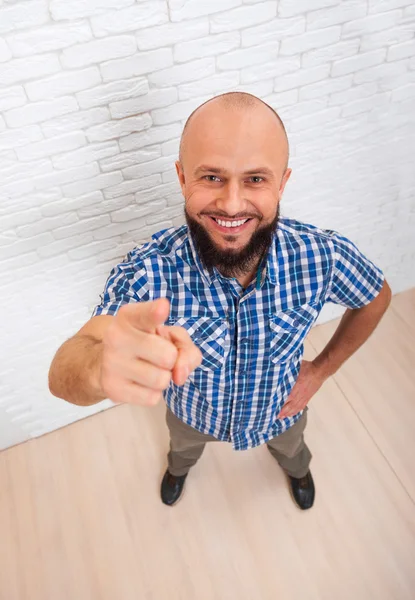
point(187, 445)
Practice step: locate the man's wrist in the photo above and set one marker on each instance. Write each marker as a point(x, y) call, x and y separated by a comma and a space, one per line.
point(323, 367)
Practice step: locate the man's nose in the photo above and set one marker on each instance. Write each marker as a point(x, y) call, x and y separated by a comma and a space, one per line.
point(232, 200)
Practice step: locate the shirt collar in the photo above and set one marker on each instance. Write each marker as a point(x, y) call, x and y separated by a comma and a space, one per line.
point(270, 266)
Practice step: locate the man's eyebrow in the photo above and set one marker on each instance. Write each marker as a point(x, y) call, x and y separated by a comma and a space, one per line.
point(211, 169)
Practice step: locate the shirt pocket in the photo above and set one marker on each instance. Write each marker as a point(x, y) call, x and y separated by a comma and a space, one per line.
point(209, 335)
point(288, 329)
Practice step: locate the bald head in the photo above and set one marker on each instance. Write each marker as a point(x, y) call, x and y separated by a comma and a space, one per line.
point(234, 103)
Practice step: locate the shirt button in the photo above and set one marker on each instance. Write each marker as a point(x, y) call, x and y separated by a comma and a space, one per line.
point(244, 340)
point(296, 323)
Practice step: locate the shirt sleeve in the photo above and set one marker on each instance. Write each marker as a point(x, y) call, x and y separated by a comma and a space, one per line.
point(127, 282)
point(355, 280)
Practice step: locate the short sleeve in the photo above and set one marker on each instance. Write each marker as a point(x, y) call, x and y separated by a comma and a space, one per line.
point(355, 280)
point(127, 282)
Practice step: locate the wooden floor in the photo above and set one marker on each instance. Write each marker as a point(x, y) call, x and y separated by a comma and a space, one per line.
point(81, 519)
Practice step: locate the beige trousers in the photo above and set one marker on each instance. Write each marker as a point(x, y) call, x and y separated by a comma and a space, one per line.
point(187, 445)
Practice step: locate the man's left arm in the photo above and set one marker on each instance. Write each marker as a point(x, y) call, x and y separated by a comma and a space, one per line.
point(354, 329)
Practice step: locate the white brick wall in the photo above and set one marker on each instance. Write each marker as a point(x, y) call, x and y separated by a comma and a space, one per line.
point(93, 98)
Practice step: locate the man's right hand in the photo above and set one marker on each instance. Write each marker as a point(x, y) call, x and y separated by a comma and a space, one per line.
point(140, 355)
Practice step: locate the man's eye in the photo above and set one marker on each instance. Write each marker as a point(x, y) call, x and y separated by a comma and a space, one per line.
point(214, 177)
point(256, 177)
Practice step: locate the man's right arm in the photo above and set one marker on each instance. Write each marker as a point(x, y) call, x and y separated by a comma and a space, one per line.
point(130, 357)
point(74, 374)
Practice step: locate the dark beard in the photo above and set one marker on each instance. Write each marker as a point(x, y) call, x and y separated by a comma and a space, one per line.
point(231, 263)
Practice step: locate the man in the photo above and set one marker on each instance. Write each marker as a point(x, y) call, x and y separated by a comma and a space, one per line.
point(244, 287)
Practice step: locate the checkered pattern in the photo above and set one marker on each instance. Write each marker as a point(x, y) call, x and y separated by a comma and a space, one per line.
point(252, 340)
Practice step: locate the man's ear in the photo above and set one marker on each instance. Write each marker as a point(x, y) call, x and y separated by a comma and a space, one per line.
point(180, 174)
point(284, 180)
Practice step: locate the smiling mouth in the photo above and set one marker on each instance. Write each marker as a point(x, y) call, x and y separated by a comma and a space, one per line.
point(230, 226)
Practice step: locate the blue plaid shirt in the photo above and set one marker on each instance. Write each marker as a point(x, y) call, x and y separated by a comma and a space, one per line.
point(252, 340)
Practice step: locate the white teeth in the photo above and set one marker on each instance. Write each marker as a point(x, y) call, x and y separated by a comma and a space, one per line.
point(231, 223)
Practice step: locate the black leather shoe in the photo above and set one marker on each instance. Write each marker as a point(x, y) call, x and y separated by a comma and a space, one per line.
point(171, 488)
point(303, 491)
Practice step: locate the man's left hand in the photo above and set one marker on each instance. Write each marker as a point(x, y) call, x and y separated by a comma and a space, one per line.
point(309, 380)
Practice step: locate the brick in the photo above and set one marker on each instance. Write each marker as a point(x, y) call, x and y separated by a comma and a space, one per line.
point(338, 51)
point(149, 168)
point(138, 16)
point(393, 81)
point(301, 77)
point(170, 148)
point(404, 93)
point(219, 83)
point(51, 146)
point(342, 13)
point(132, 187)
point(309, 40)
point(22, 15)
point(37, 112)
point(23, 69)
point(46, 224)
point(270, 69)
point(22, 217)
point(303, 109)
point(155, 135)
point(180, 10)
point(197, 69)
point(388, 37)
point(80, 227)
point(370, 23)
point(355, 93)
point(247, 57)
point(20, 247)
point(99, 182)
point(272, 30)
point(45, 250)
point(259, 88)
point(400, 51)
point(365, 105)
point(104, 206)
point(115, 129)
point(59, 178)
point(289, 8)
point(154, 99)
point(127, 159)
point(358, 62)
point(63, 83)
point(134, 212)
point(207, 46)
point(317, 119)
point(98, 250)
point(5, 53)
point(380, 72)
point(157, 192)
point(82, 156)
point(277, 101)
point(39, 199)
point(20, 137)
point(62, 9)
point(169, 34)
point(113, 229)
point(20, 171)
point(12, 97)
point(75, 121)
point(97, 51)
point(182, 110)
point(59, 207)
point(324, 88)
point(142, 63)
point(387, 5)
point(112, 92)
point(243, 16)
point(49, 37)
